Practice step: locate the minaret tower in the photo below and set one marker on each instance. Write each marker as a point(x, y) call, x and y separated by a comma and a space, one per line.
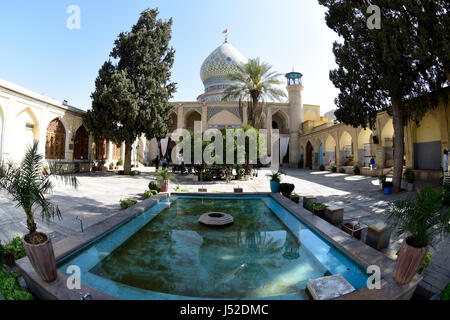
point(296, 115)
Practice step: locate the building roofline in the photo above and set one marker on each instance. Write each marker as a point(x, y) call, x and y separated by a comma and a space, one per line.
point(36, 96)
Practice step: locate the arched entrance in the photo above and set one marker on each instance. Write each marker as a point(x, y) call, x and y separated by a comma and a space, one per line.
point(100, 149)
point(117, 151)
point(346, 151)
point(173, 122)
point(309, 150)
point(55, 144)
point(387, 141)
point(81, 144)
point(26, 130)
point(190, 119)
point(330, 151)
point(366, 148)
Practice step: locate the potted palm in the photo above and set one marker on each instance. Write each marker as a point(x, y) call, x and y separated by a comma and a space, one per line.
point(164, 177)
point(28, 185)
point(275, 179)
point(423, 218)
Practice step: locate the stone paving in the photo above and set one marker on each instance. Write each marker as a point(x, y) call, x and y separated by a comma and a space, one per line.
point(99, 195)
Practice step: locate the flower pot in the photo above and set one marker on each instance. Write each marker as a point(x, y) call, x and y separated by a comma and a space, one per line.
point(296, 199)
point(387, 190)
point(275, 186)
point(409, 262)
point(164, 184)
point(42, 259)
point(320, 213)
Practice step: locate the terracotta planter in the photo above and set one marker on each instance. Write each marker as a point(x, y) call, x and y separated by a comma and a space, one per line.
point(42, 259)
point(164, 184)
point(409, 262)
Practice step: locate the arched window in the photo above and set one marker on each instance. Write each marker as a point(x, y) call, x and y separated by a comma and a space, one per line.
point(55, 144)
point(81, 144)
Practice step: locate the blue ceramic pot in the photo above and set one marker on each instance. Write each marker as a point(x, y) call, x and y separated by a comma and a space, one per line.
point(387, 190)
point(275, 186)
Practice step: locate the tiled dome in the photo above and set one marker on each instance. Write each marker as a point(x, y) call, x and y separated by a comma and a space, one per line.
point(215, 69)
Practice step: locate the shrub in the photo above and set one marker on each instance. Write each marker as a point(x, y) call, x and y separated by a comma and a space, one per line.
point(135, 173)
point(286, 188)
point(10, 288)
point(319, 206)
point(295, 196)
point(15, 247)
point(356, 170)
point(148, 194)
point(120, 162)
point(341, 170)
point(153, 185)
point(446, 293)
point(334, 169)
point(446, 195)
point(2, 254)
point(310, 206)
point(207, 176)
point(125, 204)
point(322, 167)
point(154, 192)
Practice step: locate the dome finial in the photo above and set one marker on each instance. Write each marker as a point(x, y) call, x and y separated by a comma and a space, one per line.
point(225, 32)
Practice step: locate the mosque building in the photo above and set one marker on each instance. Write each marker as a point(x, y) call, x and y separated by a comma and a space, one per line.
point(307, 139)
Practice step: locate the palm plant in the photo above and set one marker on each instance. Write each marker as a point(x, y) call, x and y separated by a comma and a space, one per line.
point(164, 175)
point(254, 82)
point(423, 217)
point(29, 183)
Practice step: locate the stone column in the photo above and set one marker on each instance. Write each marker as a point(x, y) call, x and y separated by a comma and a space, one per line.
point(109, 151)
point(296, 118)
point(204, 117)
point(269, 130)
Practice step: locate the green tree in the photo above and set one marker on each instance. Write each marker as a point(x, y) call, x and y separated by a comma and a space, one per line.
point(382, 69)
point(132, 91)
point(254, 83)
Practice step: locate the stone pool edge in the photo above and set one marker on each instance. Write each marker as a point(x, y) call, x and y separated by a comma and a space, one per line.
point(358, 251)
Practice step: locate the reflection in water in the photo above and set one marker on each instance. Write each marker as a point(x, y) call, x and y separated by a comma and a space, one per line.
point(175, 254)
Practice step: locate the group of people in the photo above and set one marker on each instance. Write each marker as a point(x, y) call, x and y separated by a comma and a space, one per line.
point(164, 162)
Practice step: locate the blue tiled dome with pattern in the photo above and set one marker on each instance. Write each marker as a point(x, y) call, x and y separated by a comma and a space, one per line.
point(215, 69)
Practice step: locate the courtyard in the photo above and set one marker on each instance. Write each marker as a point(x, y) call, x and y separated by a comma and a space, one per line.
point(99, 194)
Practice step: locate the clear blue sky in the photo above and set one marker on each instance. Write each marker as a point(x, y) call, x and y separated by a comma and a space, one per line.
point(40, 53)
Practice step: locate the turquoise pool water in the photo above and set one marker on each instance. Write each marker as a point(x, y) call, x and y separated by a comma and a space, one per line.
point(166, 254)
